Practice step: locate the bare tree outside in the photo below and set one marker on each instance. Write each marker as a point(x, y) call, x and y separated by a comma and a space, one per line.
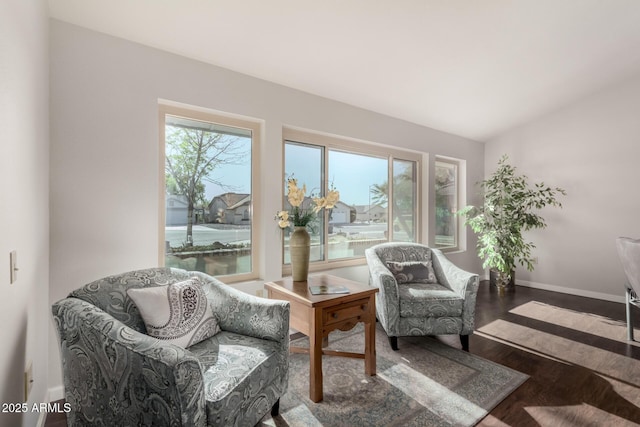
point(192, 155)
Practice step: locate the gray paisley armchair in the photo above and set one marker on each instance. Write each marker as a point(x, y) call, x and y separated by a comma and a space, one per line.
point(115, 374)
point(421, 292)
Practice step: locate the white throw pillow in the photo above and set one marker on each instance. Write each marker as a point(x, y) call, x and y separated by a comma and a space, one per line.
point(179, 313)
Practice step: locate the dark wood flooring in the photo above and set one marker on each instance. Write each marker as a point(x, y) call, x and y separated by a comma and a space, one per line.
point(559, 392)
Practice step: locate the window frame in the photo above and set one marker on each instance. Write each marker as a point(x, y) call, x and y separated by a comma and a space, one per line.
point(458, 197)
point(358, 147)
point(198, 114)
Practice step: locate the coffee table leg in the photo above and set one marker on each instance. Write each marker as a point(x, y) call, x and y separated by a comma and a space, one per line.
point(370, 340)
point(315, 357)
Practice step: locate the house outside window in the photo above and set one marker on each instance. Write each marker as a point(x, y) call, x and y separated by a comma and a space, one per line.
point(208, 176)
point(378, 195)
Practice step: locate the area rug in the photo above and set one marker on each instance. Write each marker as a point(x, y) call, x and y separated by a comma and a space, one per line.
point(425, 383)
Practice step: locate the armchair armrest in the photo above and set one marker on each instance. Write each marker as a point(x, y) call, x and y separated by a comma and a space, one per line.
point(460, 281)
point(115, 375)
point(380, 277)
point(246, 314)
point(387, 299)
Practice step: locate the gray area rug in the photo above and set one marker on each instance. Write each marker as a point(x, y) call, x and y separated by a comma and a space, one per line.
point(425, 383)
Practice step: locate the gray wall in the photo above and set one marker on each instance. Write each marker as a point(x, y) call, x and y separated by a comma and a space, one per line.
point(592, 150)
point(105, 160)
point(24, 204)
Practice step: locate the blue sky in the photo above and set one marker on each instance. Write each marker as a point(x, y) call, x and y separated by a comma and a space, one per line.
point(351, 174)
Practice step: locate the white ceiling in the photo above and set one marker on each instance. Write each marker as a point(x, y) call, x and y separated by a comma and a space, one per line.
point(475, 68)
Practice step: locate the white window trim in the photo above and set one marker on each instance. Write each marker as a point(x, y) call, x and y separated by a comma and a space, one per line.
point(200, 114)
point(459, 200)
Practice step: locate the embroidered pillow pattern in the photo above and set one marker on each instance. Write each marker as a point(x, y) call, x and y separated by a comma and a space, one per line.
point(178, 313)
point(412, 271)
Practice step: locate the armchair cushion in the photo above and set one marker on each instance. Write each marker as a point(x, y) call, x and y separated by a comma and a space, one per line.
point(179, 313)
point(235, 366)
point(413, 271)
point(429, 300)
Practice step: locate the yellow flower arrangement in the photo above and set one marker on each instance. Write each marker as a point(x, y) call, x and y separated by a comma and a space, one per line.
point(300, 216)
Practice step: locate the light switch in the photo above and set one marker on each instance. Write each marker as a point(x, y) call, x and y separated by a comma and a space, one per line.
point(13, 266)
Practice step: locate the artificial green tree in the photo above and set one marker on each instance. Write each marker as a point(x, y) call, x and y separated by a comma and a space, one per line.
point(509, 209)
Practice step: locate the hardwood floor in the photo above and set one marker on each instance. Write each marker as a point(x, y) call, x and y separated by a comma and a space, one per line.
point(582, 370)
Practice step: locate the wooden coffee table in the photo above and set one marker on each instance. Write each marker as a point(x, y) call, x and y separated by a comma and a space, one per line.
point(317, 315)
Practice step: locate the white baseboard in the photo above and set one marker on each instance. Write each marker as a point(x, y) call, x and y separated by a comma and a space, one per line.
point(572, 291)
point(563, 290)
point(56, 393)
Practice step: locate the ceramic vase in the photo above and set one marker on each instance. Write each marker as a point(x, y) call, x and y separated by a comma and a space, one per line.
point(299, 248)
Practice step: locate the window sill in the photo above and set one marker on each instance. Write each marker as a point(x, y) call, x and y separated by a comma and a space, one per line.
point(452, 251)
point(327, 265)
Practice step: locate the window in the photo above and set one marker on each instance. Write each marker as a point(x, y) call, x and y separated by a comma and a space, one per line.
point(207, 193)
point(306, 164)
point(378, 194)
point(446, 186)
point(361, 180)
point(404, 200)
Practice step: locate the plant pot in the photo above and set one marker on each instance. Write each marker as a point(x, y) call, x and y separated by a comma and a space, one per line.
point(509, 287)
point(299, 248)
